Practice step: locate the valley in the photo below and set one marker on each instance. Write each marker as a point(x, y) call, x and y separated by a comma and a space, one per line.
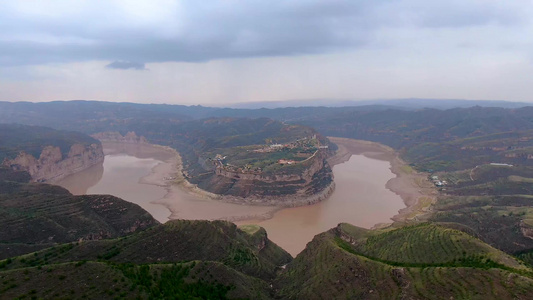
point(389, 206)
point(269, 150)
point(148, 176)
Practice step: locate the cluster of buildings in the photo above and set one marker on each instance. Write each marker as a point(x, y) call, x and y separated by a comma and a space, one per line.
point(286, 162)
point(437, 182)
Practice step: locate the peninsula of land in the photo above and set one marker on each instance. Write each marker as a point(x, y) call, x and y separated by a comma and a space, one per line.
point(184, 198)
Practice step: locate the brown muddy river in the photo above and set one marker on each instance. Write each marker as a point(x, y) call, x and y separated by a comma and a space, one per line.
point(360, 197)
point(119, 176)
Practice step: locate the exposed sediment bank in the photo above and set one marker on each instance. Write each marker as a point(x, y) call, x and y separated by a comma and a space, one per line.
point(174, 177)
point(183, 199)
point(186, 200)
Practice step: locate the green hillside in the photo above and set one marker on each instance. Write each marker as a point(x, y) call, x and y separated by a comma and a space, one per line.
point(33, 214)
point(172, 242)
point(216, 260)
point(99, 280)
point(208, 260)
point(32, 139)
point(492, 202)
point(425, 245)
point(347, 263)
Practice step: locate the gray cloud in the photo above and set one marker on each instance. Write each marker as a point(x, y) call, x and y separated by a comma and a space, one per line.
point(195, 31)
point(125, 65)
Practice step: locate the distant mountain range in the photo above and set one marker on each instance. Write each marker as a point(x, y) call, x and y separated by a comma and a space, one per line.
point(406, 103)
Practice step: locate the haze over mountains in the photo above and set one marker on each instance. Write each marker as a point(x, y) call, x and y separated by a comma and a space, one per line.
point(408, 103)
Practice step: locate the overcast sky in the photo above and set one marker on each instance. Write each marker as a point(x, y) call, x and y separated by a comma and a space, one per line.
point(213, 52)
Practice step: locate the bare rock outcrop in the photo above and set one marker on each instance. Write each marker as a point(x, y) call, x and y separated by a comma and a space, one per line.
point(526, 230)
point(52, 165)
point(312, 185)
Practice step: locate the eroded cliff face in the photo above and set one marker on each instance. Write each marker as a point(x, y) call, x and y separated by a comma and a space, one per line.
point(52, 165)
point(313, 185)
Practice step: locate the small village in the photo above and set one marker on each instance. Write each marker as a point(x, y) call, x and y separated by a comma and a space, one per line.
point(266, 155)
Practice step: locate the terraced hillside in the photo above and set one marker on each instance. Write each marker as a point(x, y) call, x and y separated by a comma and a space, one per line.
point(428, 244)
point(33, 139)
point(209, 260)
point(216, 260)
point(418, 262)
point(200, 139)
point(177, 241)
point(102, 280)
point(33, 214)
point(492, 202)
point(511, 147)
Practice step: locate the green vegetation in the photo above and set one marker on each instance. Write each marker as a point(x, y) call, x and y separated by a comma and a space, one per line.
point(264, 158)
point(181, 259)
point(250, 229)
point(175, 241)
point(428, 245)
point(491, 201)
point(32, 140)
point(169, 282)
point(97, 280)
point(420, 261)
point(35, 215)
point(348, 262)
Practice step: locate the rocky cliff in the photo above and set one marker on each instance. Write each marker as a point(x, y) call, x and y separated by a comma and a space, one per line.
point(53, 165)
point(313, 184)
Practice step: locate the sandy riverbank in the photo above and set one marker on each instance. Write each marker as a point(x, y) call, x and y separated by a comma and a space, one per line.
point(185, 200)
point(169, 174)
point(413, 187)
point(182, 199)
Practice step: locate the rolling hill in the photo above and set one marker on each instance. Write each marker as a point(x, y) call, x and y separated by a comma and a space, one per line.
point(417, 262)
point(37, 215)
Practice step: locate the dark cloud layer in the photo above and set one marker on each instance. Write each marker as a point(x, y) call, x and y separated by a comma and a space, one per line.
point(126, 32)
point(125, 65)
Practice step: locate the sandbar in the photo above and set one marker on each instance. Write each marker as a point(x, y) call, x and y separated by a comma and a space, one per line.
point(183, 199)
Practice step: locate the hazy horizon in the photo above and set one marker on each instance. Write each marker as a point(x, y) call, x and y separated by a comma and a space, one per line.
point(405, 103)
point(217, 53)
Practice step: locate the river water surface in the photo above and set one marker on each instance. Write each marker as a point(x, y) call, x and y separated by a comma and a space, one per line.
point(360, 197)
point(119, 176)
